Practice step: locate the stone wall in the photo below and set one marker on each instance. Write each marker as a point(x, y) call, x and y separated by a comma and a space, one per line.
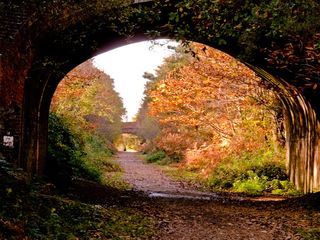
point(38, 47)
point(15, 59)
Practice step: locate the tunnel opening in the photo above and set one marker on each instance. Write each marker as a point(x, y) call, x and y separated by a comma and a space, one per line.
point(173, 141)
point(41, 41)
point(76, 36)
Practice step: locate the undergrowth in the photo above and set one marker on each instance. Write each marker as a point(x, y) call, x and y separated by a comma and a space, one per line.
point(190, 177)
point(81, 155)
point(28, 211)
point(253, 173)
point(160, 157)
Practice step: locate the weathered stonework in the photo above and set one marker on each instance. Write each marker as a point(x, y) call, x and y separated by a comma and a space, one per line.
point(10, 120)
point(39, 47)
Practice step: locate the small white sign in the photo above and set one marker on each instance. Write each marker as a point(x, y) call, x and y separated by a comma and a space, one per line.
point(8, 141)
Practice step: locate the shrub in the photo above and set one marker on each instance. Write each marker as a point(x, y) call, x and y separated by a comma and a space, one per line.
point(249, 186)
point(84, 169)
point(252, 173)
point(155, 156)
point(65, 154)
point(252, 185)
point(272, 170)
point(63, 148)
point(162, 158)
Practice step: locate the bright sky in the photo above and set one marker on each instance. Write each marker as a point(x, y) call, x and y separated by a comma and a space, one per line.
point(126, 66)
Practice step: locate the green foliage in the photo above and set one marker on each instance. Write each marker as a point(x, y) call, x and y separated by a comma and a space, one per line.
point(271, 170)
point(156, 156)
point(27, 213)
point(65, 150)
point(85, 169)
point(86, 119)
point(88, 102)
point(162, 158)
point(98, 154)
point(253, 184)
point(86, 156)
point(253, 173)
point(244, 24)
point(99, 158)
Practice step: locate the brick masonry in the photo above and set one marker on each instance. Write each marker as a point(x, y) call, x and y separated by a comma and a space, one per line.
point(25, 38)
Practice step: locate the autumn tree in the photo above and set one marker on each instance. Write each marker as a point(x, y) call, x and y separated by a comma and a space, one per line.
point(87, 99)
point(209, 102)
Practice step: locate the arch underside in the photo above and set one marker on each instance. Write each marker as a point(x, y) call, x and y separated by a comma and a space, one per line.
point(57, 44)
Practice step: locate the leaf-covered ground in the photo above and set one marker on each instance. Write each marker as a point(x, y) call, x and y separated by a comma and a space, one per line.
point(182, 214)
point(91, 211)
point(37, 211)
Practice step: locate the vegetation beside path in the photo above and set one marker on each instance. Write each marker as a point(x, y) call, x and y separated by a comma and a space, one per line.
point(214, 122)
point(37, 210)
point(249, 173)
point(84, 121)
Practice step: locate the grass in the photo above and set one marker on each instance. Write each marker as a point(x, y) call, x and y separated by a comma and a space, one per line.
point(29, 211)
point(101, 160)
point(160, 157)
point(37, 210)
point(181, 174)
point(155, 157)
point(252, 173)
point(115, 180)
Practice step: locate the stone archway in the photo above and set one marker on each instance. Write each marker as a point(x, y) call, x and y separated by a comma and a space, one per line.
point(49, 44)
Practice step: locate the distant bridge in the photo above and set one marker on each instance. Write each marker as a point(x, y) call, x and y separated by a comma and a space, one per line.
point(130, 127)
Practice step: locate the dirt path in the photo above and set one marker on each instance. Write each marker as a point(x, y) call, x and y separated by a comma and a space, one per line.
point(151, 180)
point(206, 217)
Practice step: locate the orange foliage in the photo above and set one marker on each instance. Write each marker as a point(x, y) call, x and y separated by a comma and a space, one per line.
point(209, 107)
point(74, 84)
point(204, 158)
point(87, 100)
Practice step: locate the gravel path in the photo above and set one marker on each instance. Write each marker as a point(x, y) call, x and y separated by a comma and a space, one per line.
point(151, 180)
point(206, 217)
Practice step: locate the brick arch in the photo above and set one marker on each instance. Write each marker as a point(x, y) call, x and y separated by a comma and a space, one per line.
point(37, 105)
point(45, 47)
